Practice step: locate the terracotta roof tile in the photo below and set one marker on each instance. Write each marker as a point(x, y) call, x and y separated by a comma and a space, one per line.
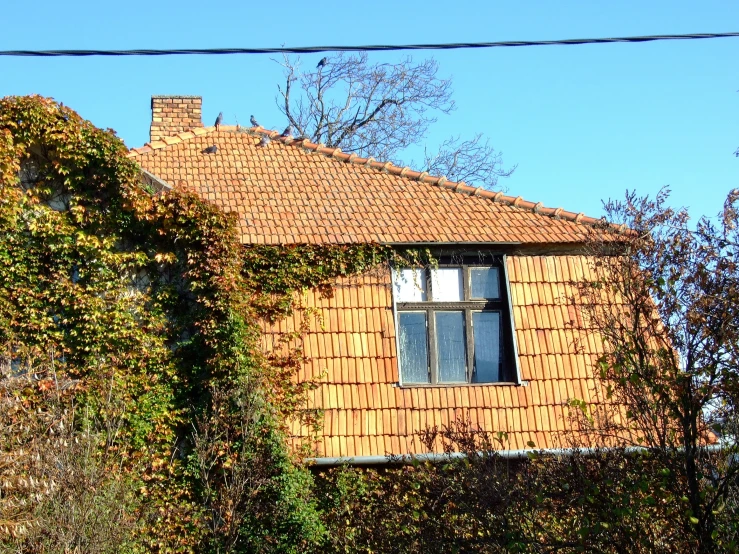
point(300, 192)
point(360, 395)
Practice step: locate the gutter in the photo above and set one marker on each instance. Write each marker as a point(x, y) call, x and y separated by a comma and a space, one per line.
point(435, 457)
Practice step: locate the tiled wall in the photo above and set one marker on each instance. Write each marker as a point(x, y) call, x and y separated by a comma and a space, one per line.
point(351, 351)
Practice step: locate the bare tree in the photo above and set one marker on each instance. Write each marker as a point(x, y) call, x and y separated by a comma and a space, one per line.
point(65, 485)
point(471, 161)
point(229, 473)
point(379, 110)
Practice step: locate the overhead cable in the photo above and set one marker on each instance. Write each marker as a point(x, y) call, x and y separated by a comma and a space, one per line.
point(368, 48)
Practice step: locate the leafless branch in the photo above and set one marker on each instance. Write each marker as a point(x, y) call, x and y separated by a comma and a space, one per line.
point(370, 109)
point(379, 110)
point(473, 161)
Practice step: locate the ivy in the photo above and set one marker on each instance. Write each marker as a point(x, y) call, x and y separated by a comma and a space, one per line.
point(130, 322)
point(130, 328)
point(275, 273)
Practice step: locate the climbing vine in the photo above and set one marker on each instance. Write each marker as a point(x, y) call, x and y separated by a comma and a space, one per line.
point(129, 326)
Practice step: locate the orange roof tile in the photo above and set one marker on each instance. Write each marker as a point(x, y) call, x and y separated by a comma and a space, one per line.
point(294, 191)
point(358, 389)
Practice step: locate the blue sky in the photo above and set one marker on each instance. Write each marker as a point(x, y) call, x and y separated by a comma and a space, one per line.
point(583, 123)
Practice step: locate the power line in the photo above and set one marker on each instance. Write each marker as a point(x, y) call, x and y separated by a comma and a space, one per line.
point(380, 47)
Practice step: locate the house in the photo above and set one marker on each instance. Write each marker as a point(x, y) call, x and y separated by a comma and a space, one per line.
point(489, 335)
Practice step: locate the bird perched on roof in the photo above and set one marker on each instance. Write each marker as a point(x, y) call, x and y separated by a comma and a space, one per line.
point(210, 150)
point(254, 122)
point(219, 119)
point(323, 62)
point(264, 142)
point(287, 132)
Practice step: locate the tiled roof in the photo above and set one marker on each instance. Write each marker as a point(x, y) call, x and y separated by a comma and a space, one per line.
point(351, 352)
point(298, 192)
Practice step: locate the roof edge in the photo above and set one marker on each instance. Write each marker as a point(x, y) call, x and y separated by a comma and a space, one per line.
point(506, 454)
point(157, 184)
point(387, 167)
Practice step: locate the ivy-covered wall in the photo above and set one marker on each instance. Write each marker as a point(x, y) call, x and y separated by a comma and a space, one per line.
point(138, 412)
point(134, 390)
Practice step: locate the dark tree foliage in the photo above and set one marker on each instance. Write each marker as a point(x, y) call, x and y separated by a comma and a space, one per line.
point(607, 501)
point(666, 303)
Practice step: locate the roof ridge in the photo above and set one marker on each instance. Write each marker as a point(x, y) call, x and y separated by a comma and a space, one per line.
point(386, 167)
point(174, 139)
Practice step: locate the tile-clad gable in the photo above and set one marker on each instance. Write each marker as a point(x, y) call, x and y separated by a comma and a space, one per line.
point(351, 352)
point(296, 192)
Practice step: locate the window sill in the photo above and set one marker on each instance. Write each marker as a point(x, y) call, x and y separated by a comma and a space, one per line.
point(448, 385)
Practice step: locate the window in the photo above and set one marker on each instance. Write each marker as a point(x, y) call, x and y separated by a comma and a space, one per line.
point(454, 324)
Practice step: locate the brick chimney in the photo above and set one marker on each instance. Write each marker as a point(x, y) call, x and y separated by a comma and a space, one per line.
point(173, 114)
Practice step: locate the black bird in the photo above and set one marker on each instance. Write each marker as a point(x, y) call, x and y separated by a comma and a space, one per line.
point(254, 122)
point(287, 132)
point(219, 119)
point(211, 150)
point(323, 62)
point(264, 142)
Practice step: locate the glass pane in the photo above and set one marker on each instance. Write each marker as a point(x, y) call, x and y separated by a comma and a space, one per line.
point(409, 285)
point(446, 284)
point(413, 355)
point(484, 282)
point(486, 329)
point(450, 347)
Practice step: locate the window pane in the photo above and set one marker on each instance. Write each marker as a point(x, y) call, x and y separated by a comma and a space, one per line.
point(446, 284)
point(410, 285)
point(486, 329)
point(484, 282)
point(450, 347)
point(413, 355)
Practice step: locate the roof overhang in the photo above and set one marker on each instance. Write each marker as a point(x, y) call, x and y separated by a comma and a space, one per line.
point(435, 457)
